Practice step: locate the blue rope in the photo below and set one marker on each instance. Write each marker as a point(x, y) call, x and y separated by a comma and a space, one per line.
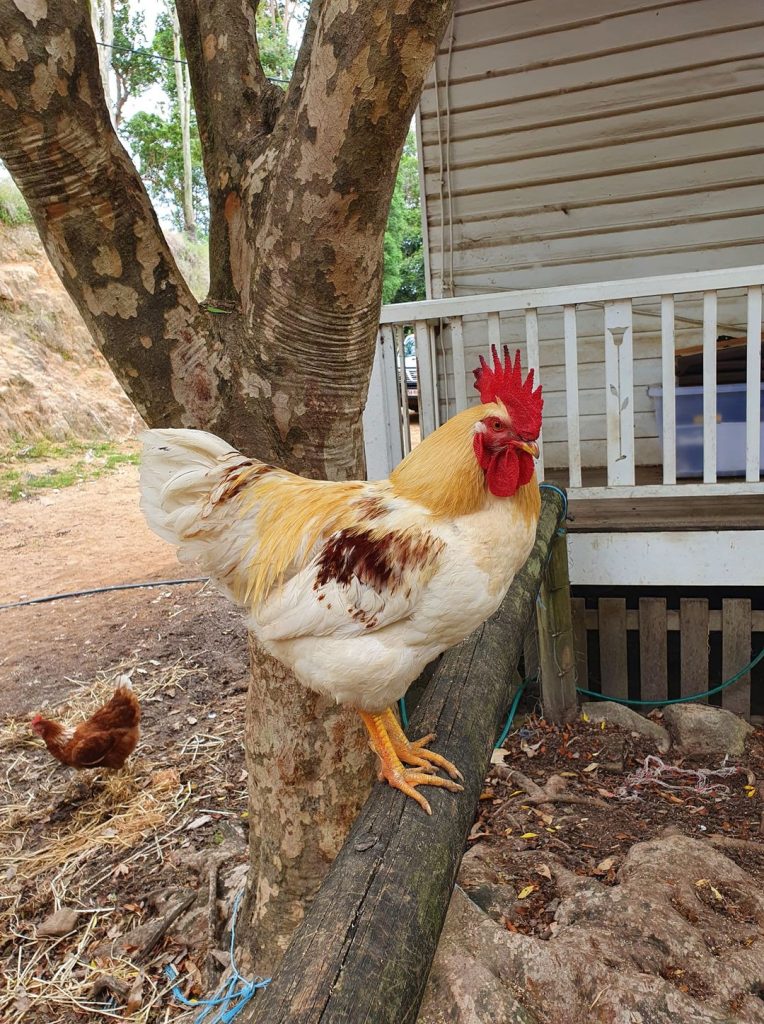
point(404, 712)
point(553, 487)
point(512, 713)
point(510, 716)
point(225, 1013)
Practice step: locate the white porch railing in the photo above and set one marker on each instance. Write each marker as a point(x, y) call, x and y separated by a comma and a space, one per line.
point(617, 348)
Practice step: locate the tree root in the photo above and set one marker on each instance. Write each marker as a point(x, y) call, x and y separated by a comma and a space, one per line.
point(553, 792)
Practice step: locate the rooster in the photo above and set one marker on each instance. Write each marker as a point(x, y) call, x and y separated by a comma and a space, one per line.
point(105, 740)
point(357, 586)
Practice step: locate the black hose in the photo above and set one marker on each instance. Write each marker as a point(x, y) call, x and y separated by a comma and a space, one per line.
point(103, 590)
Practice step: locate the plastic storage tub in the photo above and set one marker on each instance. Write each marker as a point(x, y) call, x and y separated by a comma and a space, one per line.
point(730, 428)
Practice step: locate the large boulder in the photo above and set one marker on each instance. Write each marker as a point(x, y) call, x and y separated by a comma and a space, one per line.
point(680, 937)
point(704, 731)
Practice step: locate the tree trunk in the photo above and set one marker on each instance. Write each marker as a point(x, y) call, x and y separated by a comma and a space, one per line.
point(183, 85)
point(300, 184)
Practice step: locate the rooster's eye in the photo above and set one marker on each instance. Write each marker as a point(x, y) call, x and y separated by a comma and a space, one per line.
point(497, 424)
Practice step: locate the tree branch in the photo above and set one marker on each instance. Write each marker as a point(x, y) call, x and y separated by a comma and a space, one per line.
point(316, 203)
point(236, 107)
point(95, 218)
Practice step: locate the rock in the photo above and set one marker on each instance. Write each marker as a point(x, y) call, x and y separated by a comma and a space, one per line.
point(625, 718)
point(705, 731)
point(465, 985)
point(59, 923)
point(678, 938)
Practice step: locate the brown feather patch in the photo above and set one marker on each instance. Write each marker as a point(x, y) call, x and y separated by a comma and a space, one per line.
point(377, 561)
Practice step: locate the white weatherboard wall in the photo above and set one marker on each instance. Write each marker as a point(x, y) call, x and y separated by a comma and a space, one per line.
point(573, 141)
point(584, 140)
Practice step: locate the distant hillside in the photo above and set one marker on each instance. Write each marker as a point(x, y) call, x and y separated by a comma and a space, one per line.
point(54, 383)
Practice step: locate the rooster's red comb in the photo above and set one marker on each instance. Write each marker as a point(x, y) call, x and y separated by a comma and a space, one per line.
point(504, 382)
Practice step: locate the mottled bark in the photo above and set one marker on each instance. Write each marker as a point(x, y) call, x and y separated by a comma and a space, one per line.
point(305, 783)
point(299, 184)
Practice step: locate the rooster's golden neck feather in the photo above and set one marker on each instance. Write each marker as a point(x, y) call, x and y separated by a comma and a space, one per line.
point(442, 472)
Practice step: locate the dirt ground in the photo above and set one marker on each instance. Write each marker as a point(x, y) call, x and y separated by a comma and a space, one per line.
point(114, 849)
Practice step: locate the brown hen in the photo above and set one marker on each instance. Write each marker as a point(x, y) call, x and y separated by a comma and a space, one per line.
point(105, 740)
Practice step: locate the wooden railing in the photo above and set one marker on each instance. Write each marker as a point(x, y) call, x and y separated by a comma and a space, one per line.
point(440, 327)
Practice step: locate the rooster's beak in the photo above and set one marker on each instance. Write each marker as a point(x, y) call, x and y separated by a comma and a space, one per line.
point(528, 446)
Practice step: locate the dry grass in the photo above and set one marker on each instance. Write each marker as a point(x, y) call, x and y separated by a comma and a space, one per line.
point(68, 839)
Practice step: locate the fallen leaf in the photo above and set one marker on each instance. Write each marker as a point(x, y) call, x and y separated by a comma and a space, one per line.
point(544, 871)
point(59, 923)
point(716, 894)
point(120, 869)
point(135, 995)
point(499, 755)
point(605, 792)
point(604, 866)
point(487, 794)
point(591, 767)
point(530, 750)
point(529, 835)
point(527, 891)
point(584, 717)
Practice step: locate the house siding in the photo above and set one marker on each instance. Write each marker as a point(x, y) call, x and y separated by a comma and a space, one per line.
point(593, 141)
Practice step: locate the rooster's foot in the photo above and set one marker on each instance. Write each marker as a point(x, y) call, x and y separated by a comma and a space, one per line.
point(393, 749)
point(414, 751)
point(406, 779)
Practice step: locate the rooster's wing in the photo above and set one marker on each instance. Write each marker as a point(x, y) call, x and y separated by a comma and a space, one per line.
point(361, 579)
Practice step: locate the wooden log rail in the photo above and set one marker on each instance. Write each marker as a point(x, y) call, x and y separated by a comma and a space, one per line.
point(363, 952)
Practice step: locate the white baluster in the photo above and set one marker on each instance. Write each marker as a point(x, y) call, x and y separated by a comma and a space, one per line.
point(534, 363)
point(619, 393)
point(460, 370)
point(709, 387)
point(669, 390)
point(428, 418)
point(571, 394)
point(753, 387)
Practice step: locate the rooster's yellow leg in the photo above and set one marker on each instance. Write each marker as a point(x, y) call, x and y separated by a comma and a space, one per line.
point(390, 767)
point(413, 752)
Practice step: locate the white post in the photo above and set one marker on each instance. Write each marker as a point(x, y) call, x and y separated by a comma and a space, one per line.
point(534, 363)
point(494, 331)
point(619, 393)
point(669, 394)
point(403, 398)
point(425, 379)
point(753, 387)
point(381, 417)
point(709, 387)
point(571, 394)
point(460, 370)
